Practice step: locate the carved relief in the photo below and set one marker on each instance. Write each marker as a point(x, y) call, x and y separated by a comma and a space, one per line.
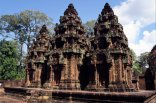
point(72, 60)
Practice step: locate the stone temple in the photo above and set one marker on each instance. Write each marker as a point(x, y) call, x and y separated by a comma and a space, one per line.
point(73, 66)
point(74, 60)
point(150, 77)
point(152, 59)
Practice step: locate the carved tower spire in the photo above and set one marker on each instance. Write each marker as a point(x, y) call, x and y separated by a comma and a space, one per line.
point(70, 23)
point(69, 49)
point(112, 52)
point(150, 72)
point(36, 59)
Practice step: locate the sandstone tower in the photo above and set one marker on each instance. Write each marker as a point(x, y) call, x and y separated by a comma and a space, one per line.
point(72, 60)
point(68, 50)
point(36, 62)
point(150, 72)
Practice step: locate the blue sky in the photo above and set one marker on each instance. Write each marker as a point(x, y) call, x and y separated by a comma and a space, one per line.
point(136, 16)
point(87, 9)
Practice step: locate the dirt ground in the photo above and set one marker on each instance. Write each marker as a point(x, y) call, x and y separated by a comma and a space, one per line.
point(6, 99)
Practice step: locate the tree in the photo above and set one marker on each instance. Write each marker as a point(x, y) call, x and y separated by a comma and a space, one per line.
point(143, 60)
point(89, 26)
point(136, 66)
point(90, 23)
point(23, 27)
point(140, 63)
point(9, 56)
point(133, 55)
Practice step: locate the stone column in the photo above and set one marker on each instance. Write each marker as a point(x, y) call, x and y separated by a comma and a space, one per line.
point(62, 84)
point(96, 80)
point(73, 72)
point(38, 75)
point(110, 76)
point(27, 81)
point(76, 75)
point(125, 76)
point(120, 69)
point(69, 73)
point(129, 77)
point(112, 73)
point(51, 76)
point(34, 73)
point(66, 74)
point(123, 72)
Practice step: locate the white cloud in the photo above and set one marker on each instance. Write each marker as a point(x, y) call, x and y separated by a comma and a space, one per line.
point(135, 15)
point(146, 43)
point(132, 30)
point(136, 10)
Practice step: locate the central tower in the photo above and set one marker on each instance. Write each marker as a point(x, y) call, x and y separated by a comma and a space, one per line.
point(69, 45)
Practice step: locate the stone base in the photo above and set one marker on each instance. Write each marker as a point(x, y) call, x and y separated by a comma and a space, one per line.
point(47, 85)
point(35, 85)
point(69, 85)
point(91, 87)
point(81, 96)
point(119, 87)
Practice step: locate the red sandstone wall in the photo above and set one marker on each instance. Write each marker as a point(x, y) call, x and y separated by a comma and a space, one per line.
point(142, 85)
point(13, 83)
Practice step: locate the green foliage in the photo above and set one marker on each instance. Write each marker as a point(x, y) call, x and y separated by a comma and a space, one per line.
point(91, 23)
point(140, 63)
point(23, 25)
point(136, 66)
point(9, 60)
point(21, 74)
point(89, 26)
point(143, 60)
point(133, 55)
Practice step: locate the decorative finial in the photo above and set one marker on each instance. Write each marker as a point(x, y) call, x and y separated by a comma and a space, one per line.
point(107, 9)
point(43, 29)
point(70, 5)
point(70, 10)
point(107, 5)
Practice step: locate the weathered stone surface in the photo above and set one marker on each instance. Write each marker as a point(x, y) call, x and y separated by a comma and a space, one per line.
point(8, 99)
point(113, 58)
point(150, 76)
point(36, 67)
point(152, 59)
point(69, 47)
point(72, 60)
point(77, 96)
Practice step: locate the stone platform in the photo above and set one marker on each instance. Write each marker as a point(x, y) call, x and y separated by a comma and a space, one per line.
point(60, 96)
